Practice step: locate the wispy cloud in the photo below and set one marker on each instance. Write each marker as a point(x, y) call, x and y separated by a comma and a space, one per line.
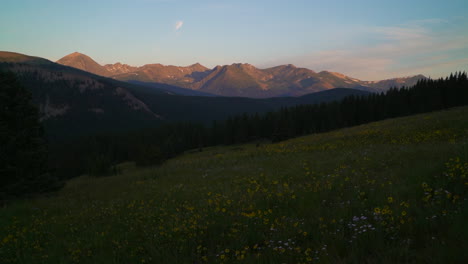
point(178, 25)
point(406, 49)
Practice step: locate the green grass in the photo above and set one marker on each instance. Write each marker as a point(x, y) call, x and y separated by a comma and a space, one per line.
point(388, 192)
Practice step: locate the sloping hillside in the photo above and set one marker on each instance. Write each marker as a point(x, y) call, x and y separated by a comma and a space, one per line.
point(74, 102)
point(387, 192)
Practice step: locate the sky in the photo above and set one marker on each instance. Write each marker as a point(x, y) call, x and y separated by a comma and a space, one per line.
point(364, 39)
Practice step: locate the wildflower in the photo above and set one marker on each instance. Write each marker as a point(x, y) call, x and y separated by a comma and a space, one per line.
point(390, 199)
point(249, 215)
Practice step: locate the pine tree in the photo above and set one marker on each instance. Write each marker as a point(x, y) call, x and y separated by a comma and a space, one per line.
point(23, 153)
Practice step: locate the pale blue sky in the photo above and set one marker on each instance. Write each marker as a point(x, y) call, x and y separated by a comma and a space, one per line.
point(365, 39)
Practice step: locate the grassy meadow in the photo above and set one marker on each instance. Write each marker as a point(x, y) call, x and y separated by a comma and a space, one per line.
point(387, 192)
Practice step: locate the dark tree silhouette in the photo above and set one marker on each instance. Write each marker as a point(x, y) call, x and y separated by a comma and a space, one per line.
point(23, 153)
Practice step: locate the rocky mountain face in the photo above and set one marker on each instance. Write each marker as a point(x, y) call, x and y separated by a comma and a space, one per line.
point(118, 68)
point(238, 79)
point(395, 82)
point(173, 75)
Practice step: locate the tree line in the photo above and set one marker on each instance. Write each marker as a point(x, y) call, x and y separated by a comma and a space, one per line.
point(425, 96)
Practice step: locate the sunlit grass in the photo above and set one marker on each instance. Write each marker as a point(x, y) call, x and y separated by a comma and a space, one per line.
point(387, 192)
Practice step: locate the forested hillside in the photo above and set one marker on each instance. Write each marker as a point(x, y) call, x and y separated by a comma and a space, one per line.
point(152, 146)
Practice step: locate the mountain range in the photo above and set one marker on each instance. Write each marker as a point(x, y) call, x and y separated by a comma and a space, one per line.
point(239, 79)
point(75, 102)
